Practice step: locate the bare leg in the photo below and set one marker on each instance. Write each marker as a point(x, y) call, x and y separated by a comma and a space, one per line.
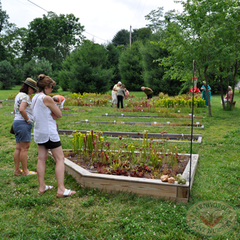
point(42, 157)
point(59, 169)
point(16, 157)
point(23, 156)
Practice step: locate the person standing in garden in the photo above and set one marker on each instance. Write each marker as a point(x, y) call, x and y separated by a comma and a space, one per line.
point(59, 100)
point(114, 93)
point(22, 126)
point(205, 88)
point(120, 95)
point(46, 135)
point(148, 91)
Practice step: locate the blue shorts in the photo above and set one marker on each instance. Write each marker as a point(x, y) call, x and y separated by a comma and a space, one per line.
point(22, 131)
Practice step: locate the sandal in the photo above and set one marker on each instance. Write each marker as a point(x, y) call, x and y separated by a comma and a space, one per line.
point(18, 173)
point(46, 189)
point(30, 173)
point(67, 193)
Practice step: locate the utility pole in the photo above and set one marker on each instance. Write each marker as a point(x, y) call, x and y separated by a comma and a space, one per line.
point(130, 36)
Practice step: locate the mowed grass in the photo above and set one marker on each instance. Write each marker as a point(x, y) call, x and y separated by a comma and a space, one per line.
point(95, 214)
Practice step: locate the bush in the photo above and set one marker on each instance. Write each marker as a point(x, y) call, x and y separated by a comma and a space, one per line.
point(6, 75)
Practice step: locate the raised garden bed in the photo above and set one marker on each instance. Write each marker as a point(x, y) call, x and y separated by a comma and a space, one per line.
point(145, 116)
point(197, 138)
point(141, 186)
point(197, 124)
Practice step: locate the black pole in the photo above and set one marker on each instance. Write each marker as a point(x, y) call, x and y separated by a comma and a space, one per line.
point(190, 168)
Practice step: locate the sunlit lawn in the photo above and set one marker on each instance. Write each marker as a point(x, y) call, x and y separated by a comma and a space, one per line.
point(94, 214)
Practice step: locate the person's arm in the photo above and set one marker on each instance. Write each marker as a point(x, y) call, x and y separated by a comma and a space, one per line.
point(48, 102)
point(22, 110)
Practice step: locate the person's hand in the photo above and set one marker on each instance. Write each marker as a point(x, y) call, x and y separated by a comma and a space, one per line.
point(53, 116)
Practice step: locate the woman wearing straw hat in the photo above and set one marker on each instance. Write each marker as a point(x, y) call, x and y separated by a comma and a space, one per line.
point(22, 126)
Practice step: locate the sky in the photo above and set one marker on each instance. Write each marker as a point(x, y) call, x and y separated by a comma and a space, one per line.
point(101, 19)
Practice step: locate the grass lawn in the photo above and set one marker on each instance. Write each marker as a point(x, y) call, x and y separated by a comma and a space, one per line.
point(94, 214)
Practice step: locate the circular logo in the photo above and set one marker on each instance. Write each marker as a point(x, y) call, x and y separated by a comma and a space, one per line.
point(211, 217)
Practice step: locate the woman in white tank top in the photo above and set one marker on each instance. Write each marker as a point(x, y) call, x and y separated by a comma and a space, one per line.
point(46, 135)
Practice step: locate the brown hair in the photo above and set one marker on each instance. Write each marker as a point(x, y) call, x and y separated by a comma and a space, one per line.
point(43, 81)
point(24, 88)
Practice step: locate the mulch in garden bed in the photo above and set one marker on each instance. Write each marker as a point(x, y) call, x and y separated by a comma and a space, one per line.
point(126, 169)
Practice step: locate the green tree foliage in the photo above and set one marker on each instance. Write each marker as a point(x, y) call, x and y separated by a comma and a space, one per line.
point(6, 75)
point(141, 34)
point(207, 32)
point(121, 38)
point(153, 74)
point(130, 66)
point(35, 67)
point(11, 38)
point(3, 17)
point(113, 61)
point(53, 37)
point(3, 21)
point(86, 69)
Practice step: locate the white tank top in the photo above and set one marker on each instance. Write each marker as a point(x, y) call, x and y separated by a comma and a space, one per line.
point(45, 127)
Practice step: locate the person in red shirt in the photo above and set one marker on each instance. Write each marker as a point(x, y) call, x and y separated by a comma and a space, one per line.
point(59, 99)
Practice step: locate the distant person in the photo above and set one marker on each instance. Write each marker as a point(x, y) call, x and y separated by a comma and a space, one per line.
point(114, 93)
point(22, 126)
point(126, 93)
point(120, 95)
point(46, 135)
point(229, 95)
point(205, 88)
point(59, 100)
point(147, 91)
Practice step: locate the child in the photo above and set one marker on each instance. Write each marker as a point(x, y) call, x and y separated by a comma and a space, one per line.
point(59, 100)
point(120, 94)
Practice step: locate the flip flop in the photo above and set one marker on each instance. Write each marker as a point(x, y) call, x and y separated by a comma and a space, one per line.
point(18, 173)
point(67, 193)
point(46, 189)
point(31, 173)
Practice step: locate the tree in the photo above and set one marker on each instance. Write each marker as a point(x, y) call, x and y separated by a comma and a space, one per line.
point(35, 67)
point(6, 75)
point(86, 69)
point(3, 18)
point(153, 74)
point(141, 34)
point(53, 37)
point(113, 61)
point(130, 66)
point(201, 33)
point(3, 21)
point(121, 38)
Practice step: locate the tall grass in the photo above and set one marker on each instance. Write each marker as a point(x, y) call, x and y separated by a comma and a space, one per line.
point(94, 214)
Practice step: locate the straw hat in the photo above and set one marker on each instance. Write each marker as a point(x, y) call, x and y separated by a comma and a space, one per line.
point(31, 83)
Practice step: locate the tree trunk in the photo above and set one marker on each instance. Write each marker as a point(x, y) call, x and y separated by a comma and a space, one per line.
point(221, 81)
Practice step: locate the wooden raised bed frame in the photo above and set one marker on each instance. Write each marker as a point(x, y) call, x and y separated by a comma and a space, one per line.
point(140, 186)
point(197, 138)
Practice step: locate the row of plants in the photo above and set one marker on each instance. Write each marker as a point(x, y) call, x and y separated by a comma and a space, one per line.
point(150, 159)
point(180, 101)
point(91, 102)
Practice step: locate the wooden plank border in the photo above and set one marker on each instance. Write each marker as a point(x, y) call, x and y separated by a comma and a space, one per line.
point(140, 186)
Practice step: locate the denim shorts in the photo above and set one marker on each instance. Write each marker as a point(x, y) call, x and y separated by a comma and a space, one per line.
point(22, 131)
